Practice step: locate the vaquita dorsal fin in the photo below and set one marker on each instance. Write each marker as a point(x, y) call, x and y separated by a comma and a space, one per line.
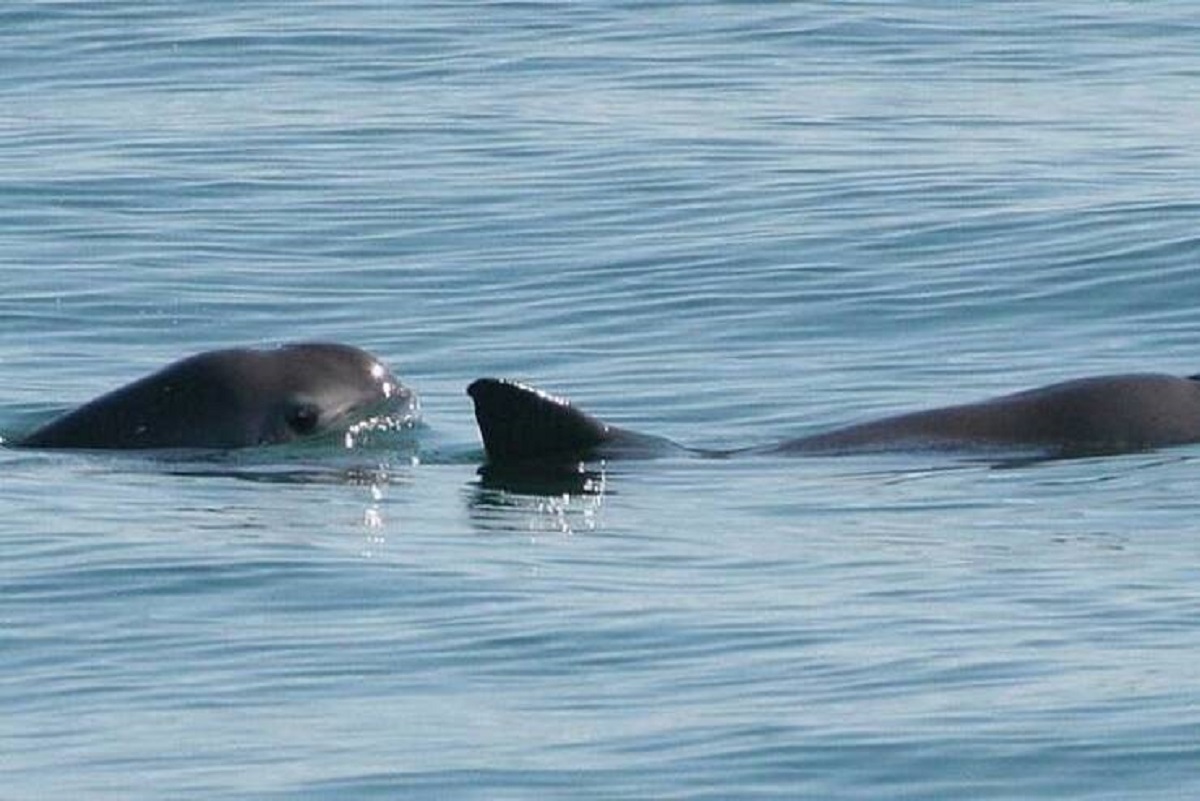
point(522, 423)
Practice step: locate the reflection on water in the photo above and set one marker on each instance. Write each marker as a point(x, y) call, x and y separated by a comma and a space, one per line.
point(365, 475)
point(534, 497)
point(544, 478)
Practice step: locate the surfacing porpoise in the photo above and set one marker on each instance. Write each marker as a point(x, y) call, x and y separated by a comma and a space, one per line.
point(234, 398)
point(1104, 414)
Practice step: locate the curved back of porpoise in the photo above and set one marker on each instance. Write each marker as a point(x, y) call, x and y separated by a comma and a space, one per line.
point(1102, 413)
point(1088, 415)
point(191, 403)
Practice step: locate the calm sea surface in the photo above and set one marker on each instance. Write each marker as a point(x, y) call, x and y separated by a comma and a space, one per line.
point(727, 223)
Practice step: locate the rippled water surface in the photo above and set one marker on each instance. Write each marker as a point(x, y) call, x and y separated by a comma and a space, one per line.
point(727, 223)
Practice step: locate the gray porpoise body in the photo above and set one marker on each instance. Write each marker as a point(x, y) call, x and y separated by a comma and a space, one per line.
point(233, 398)
point(1105, 414)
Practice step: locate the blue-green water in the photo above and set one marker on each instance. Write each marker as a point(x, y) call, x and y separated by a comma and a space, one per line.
point(728, 223)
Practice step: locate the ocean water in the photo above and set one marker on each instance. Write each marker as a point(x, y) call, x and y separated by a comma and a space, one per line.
point(727, 223)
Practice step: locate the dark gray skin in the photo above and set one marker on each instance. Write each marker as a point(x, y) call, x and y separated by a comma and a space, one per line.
point(1106, 414)
point(234, 398)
